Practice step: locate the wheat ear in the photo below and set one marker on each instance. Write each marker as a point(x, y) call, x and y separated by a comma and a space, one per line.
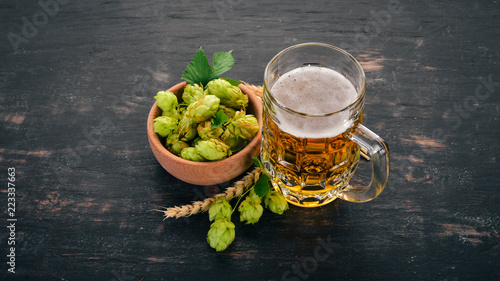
point(258, 90)
point(196, 207)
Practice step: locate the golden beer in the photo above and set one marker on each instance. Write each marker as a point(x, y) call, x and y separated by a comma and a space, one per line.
point(308, 164)
point(312, 134)
point(304, 166)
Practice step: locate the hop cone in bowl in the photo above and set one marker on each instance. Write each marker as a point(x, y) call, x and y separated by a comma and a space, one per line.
point(241, 128)
point(228, 94)
point(175, 145)
point(192, 93)
point(213, 149)
point(206, 132)
point(164, 125)
point(191, 153)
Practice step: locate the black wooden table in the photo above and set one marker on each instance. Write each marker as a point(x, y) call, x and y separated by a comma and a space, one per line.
point(77, 80)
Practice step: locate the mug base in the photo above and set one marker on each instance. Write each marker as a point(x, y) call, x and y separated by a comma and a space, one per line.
point(310, 200)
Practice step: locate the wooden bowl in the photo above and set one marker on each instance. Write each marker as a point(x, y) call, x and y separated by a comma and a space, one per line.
point(207, 173)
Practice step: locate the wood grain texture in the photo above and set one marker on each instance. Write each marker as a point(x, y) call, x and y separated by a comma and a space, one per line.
point(75, 95)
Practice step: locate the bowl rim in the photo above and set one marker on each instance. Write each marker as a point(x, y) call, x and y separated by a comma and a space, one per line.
point(155, 140)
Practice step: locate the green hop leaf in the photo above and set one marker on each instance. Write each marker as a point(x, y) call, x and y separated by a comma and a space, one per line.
point(262, 185)
point(219, 119)
point(164, 125)
point(220, 209)
point(223, 62)
point(232, 81)
point(256, 162)
point(199, 70)
point(251, 209)
point(221, 234)
point(276, 202)
point(213, 149)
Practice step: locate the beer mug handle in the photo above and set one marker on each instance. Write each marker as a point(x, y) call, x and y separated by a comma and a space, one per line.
point(379, 155)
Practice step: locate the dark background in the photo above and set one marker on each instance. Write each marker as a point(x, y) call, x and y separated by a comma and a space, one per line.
point(74, 98)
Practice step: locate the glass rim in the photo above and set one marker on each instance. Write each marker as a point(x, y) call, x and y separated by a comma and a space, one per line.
point(351, 57)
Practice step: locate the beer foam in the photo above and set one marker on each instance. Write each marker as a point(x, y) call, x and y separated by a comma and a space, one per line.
point(314, 90)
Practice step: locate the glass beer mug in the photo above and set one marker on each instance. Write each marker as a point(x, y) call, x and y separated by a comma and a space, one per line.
point(313, 110)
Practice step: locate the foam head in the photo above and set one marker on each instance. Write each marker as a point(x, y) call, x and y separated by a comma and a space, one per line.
point(317, 91)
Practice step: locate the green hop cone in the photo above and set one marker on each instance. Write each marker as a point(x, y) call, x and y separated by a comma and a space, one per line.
point(192, 93)
point(195, 141)
point(173, 114)
point(228, 94)
point(240, 129)
point(206, 132)
point(251, 209)
point(220, 209)
point(244, 126)
point(213, 149)
point(196, 113)
point(191, 154)
point(164, 125)
point(187, 127)
point(221, 234)
point(181, 111)
point(234, 142)
point(275, 202)
point(175, 145)
point(230, 112)
point(203, 109)
point(191, 134)
point(166, 101)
